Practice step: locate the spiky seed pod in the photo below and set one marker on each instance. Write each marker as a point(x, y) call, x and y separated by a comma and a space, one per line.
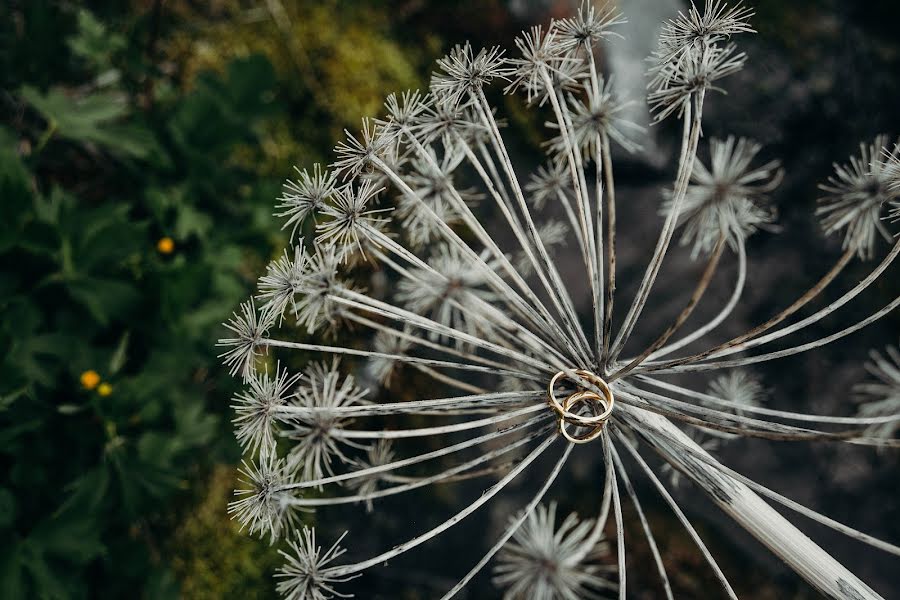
point(264, 505)
point(717, 22)
point(880, 396)
point(541, 53)
point(315, 434)
point(544, 561)
point(378, 454)
point(465, 72)
point(694, 72)
point(599, 113)
point(548, 182)
point(306, 575)
point(249, 328)
point(316, 309)
point(356, 156)
point(857, 196)
point(257, 409)
point(351, 220)
point(381, 367)
point(450, 292)
point(728, 197)
point(282, 281)
point(305, 196)
point(589, 25)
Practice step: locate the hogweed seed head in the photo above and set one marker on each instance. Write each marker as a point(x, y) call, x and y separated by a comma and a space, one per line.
point(249, 329)
point(314, 434)
point(482, 310)
point(256, 409)
point(727, 198)
point(306, 575)
point(350, 219)
point(880, 396)
point(589, 25)
point(305, 196)
point(264, 505)
point(857, 195)
point(282, 281)
point(464, 72)
point(545, 561)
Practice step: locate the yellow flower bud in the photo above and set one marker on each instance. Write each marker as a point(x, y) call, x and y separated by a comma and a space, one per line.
point(90, 379)
point(165, 245)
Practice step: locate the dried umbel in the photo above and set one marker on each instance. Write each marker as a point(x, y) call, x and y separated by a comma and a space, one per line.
point(514, 375)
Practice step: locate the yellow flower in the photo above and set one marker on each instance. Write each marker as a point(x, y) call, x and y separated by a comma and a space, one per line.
point(165, 245)
point(90, 379)
point(104, 389)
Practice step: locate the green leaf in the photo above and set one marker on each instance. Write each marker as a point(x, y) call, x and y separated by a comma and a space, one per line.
point(71, 535)
point(93, 43)
point(105, 299)
point(120, 355)
point(15, 191)
point(94, 118)
point(7, 508)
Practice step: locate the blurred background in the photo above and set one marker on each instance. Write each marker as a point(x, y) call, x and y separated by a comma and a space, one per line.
point(142, 146)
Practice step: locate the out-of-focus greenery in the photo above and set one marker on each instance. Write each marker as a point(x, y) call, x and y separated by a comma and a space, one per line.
point(141, 152)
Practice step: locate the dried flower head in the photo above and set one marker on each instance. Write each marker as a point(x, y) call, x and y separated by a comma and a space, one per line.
point(465, 72)
point(544, 561)
point(727, 198)
point(316, 433)
point(514, 369)
point(306, 574)
point(880, 397)
point(249, 328)
point(589, 25)
point(257, 409)
point(857, 196)
point(265, 504)
point(305, 196)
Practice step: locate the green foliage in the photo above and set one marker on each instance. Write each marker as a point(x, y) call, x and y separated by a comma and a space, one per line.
point(92, 470)
point(135, 215)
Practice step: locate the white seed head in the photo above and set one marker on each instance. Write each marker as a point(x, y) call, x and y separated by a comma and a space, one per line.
point(549, 182)
point(378, 454)
point(358, 156)
point(880, 396)
point(351, 220)
point(542, 55)
point(383, 368)
point(315, 445)
point(264, 505)
point(257, 409)
point(728, 197)
point(249, 328)
point(305, 196)
point(857, 195)
point(589, 25)
point(452, 292)
point(598, 113)
point(465, 73)
point(544, 562)
point(675, 82)
point(717, 23)
point(306, 575)
point(282, 281)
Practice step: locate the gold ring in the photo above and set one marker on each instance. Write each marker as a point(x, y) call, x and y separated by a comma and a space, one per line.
point(607, 400)
point(592, 398)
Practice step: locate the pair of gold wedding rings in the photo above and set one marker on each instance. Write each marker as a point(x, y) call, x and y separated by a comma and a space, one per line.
point(600, 406)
